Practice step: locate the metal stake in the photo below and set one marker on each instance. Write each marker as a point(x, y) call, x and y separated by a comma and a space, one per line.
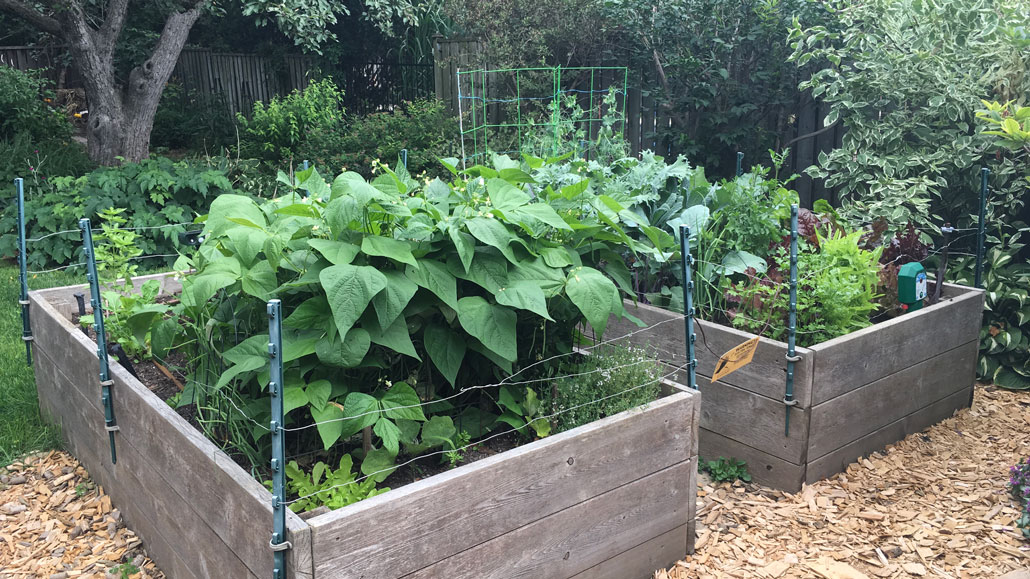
point(98, 326)
point(404, 157)
point(740, 163)
point(278, 543)
point(688, 304)
point(23, 278)
point(982, 226)
point(792, 357)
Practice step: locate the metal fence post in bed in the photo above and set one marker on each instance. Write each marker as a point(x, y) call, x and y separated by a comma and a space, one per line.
point(278, 543)
point(98, 326)
point(792, 357)
point(688, 304)
point(740, 163)
point(981, 227)
point(23, 278)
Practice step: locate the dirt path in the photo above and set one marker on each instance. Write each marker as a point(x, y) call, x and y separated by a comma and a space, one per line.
point(935, 504)
point(55, 523)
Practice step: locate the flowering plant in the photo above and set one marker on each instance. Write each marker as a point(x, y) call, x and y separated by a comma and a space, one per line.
point(1019, 484)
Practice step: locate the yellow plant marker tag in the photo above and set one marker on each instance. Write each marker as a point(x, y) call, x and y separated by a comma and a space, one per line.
point(736, 358)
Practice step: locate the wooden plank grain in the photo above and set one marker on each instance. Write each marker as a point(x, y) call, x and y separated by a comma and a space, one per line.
point(765, 469)
point(848, 362)
point(851, 416)
point(766, 375)
point(401, 531)
point(657, 553)
point(838, 460)
point(575, 539)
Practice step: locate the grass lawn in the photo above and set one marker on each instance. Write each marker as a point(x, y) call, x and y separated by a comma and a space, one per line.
point(21, 428)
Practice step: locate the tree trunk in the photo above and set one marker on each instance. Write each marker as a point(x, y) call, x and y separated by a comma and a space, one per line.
point(121, 118)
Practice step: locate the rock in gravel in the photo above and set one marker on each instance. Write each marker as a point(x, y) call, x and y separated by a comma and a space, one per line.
point(61, 575)
point(916, 569)
point(17, 480)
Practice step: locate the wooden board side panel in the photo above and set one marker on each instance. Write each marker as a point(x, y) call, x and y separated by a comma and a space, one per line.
point(838, 460)
point(849, 362)
point(851, 416)
point(766, 375)
point(765, 469)
point(401, 531)
point(657, 553)
point(138, 489)
point(575, 539)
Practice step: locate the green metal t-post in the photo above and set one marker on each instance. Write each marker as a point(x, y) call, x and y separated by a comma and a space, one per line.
point(982, 226)
point(740, 163)
point(98, 326)
point(275, 389)
point(688, 304)
point(792, 357)
point(23, 274)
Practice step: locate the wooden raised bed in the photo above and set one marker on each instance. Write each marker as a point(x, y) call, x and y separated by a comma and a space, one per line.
point(614, 498)
point(856, 394)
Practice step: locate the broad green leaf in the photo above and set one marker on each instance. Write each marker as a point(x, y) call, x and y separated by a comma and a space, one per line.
point(543, 213)
point(439, 431)
point(506, 399)
point(202, 287)
point(249, 364)
point(293, 398)
point(446, 350)
point(465, 244)
point(346, 353)
point(361, 410)
point(394, 249)
point(489, 271)
point(390, 302)
point(593, 293)
point(247, 243)
point(395, 337)
point(299, 343)
point(491, 324)
point(378, 464)
point(299, 210)
point(317, 393)
point(741, 261)
point(252, 347)
point(162, 336)
point(313, 313)
point(329, 423)
point(390, 435)
point(526, 296)
point(493, 233)
point(505, 196)
point(556, 257)
point(259, 281)
point(536, 270)
point(352, 185)
point(336, 252)
point(500, 362)
point(401, 401)
point(434, 277)
point(341, 213)
point(349, 289)
point(225, 207)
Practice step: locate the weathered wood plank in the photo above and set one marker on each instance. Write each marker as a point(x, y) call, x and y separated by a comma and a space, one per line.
point(401, 531)
point(573, 540)
point(765, 469)
point(752, 420)
point(765, 375)
point(851, 416)
point(228, 500)
point(657, 553)
point(838, 460)
point(139, 489)
point(848, 362)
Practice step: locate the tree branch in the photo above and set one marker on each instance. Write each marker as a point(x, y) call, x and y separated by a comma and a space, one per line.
point(112, 28)
point(31, 15)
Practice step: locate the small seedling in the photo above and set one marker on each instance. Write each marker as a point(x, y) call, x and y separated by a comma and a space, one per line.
point(82, 489)
point(457, 453)
point(124, 571)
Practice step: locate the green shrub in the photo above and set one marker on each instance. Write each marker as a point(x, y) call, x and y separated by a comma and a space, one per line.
point(423, 127)
point(621, 378)
point(277, 131)
point(22, 97)
point(40, 161)
point(190, 120)
point(154, 193)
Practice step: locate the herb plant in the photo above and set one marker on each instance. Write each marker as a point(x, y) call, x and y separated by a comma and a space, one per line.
point(1019, 485)
point(726, 469)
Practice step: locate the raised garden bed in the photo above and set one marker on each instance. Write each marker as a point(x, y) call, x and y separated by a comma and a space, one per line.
point(614, 498)
point(856, 393)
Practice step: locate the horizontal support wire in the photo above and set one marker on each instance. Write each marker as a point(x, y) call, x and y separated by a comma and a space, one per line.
point(99, 230)
point(506, 381)
point(492, 436)
point(63, 267)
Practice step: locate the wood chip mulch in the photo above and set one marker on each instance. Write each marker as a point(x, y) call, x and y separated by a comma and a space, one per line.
point(55, 523)
point(933, 505)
